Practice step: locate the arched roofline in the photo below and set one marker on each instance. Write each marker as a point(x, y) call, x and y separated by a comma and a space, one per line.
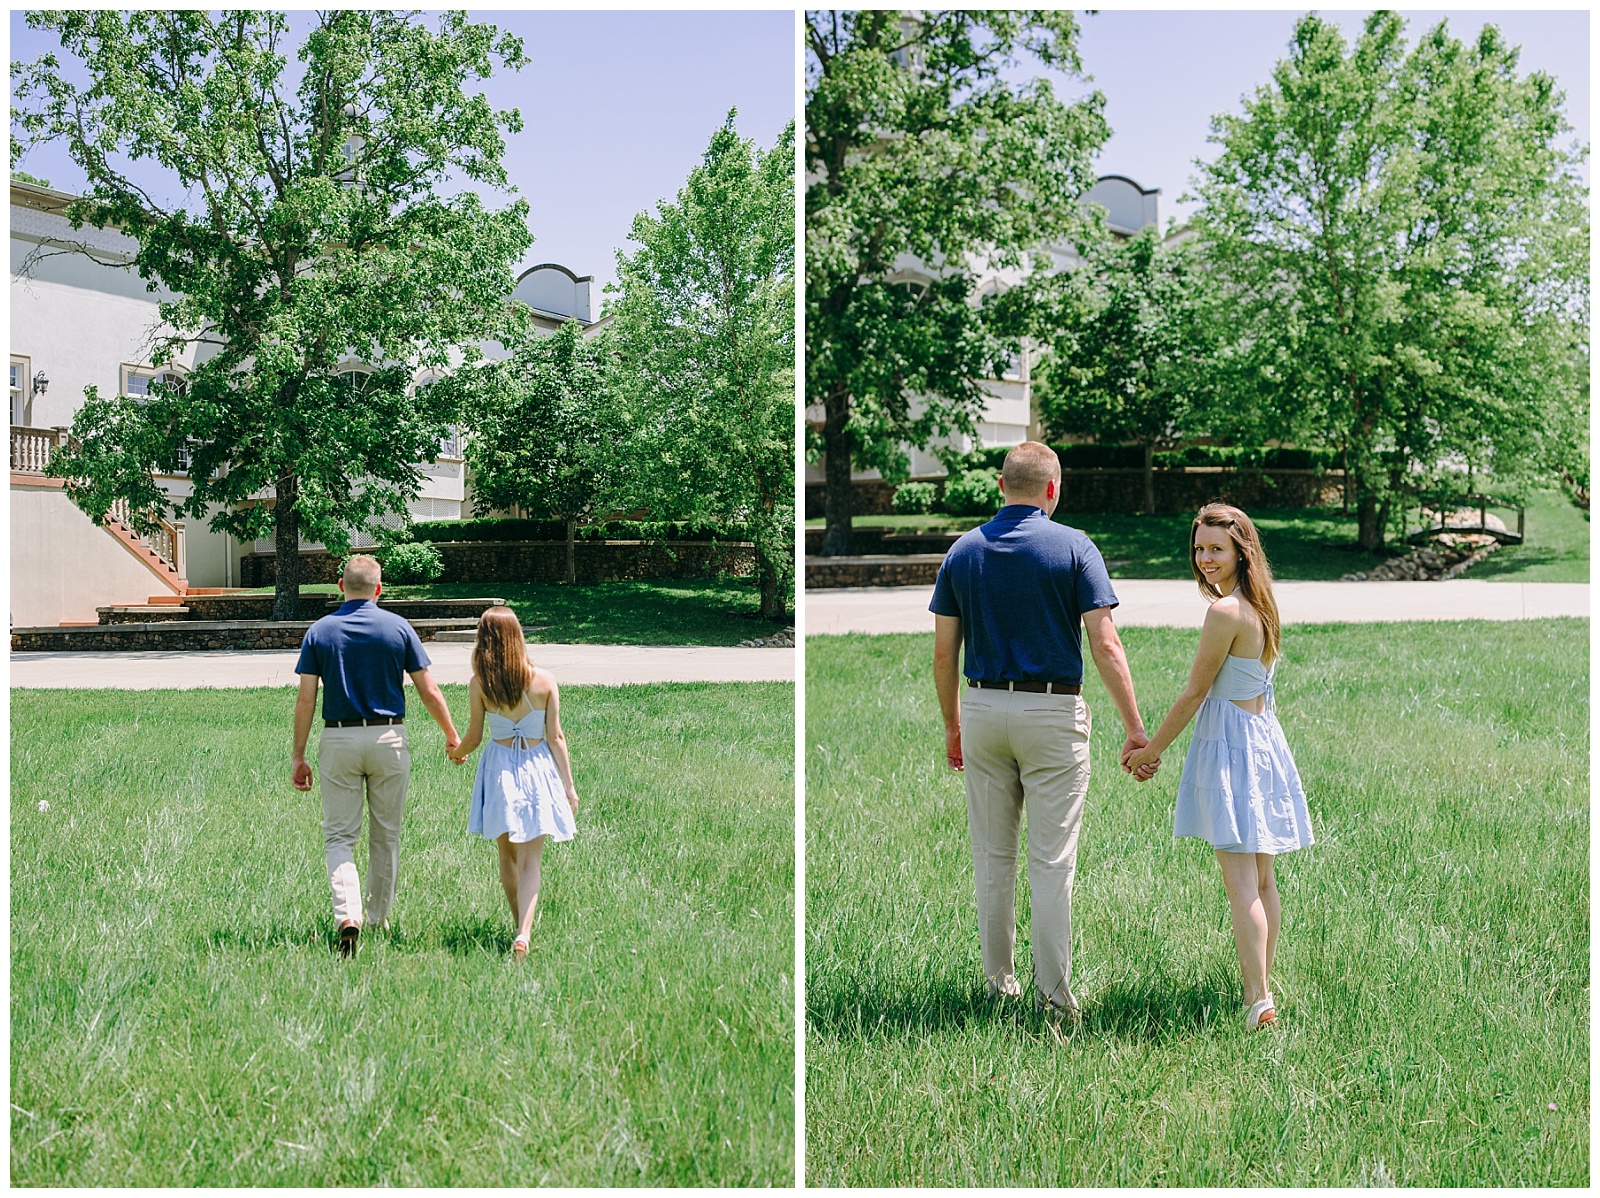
point(1134, 183)
point(555, 266)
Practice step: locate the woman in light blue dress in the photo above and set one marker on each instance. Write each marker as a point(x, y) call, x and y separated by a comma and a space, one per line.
point(1239, 790)
point(523, 793)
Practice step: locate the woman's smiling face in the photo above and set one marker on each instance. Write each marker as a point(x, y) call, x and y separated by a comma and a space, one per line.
point(1216, 556)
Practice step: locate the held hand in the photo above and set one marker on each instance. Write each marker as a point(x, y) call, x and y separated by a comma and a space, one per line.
point(1141, 763)
point(1135, 741)
point(952, 748)
point(300, 774)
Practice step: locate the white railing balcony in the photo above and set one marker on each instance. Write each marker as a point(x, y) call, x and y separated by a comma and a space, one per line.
point(31, 447)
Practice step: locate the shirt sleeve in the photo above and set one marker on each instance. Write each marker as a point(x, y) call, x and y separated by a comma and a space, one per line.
point(1094, 582)
point(416, 655)
point(308, 663)
point(944, 602)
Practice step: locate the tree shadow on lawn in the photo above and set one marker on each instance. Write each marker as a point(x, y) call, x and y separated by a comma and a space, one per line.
point(1153, 1010)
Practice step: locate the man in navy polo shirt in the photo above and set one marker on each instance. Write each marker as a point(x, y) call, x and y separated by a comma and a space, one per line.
point(361, 653)
point(1012, 594)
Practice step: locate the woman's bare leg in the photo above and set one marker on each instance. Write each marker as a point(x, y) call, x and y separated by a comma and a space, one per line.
point(508, 872)
point(528, 856)
point(1267, 883)
point(1249, 921)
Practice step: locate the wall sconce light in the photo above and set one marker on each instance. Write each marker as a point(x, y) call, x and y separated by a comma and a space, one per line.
point(41, 384)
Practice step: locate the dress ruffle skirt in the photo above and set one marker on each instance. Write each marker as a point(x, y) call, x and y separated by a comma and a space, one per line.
point(1239, 789)
point(519, 791)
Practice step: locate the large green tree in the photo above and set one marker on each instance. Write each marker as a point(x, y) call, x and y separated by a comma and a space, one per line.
point(309, 231)
point(920, 149)
point(703, 325)
point(544, 432)
point(1405, 236)
point(1130, 335)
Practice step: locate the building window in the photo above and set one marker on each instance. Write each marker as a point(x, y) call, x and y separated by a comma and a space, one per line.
point(137, 381)
point(20, 387)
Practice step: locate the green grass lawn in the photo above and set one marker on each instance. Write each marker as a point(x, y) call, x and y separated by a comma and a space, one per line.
point(690, 611)
point(1305, 544)
point(178, 1018)
point(1432, 974)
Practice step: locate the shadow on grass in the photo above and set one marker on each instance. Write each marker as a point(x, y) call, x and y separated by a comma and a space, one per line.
point(1153, 1010)
point(463, 937)
point(478, 935)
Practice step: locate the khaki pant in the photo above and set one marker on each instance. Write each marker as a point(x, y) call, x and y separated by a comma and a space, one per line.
point(377, 760)
point(1025, 750)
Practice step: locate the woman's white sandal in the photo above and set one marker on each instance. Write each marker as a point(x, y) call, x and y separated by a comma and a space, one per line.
point(519, 948)
point(1261, 1014)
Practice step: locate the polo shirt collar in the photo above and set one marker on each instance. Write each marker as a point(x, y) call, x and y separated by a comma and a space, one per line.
point(350, 605)
point(1019, 511)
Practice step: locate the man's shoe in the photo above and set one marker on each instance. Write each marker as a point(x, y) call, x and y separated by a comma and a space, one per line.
point(349, 933)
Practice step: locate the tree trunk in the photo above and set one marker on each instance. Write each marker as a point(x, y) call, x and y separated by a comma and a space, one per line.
point(767, 582)
point(1369, 523)
point(838, 499)
point(1149, 479)
point(572, 557)
point(286, 549)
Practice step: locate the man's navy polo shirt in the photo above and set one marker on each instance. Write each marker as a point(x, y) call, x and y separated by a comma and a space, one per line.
point(1020, 585)
point(362, 653)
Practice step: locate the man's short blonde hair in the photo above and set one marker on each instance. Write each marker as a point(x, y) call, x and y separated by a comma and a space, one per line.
point(1028, 467)
point(362, 574)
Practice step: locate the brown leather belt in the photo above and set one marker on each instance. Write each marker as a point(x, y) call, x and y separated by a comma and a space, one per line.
point(1033, 688)
point(382, 719)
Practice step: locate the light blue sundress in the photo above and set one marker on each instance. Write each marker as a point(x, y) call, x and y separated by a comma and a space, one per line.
point(518, 789)
point(1239, 790)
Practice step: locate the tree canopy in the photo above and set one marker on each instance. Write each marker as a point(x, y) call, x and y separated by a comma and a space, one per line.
point(919, 148)
point(1405, 241)
point(317, 268)
point(1130, 337)
point(703, 328)
point(544, 431)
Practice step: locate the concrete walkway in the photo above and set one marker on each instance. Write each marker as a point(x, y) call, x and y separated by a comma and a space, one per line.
point(1177, 603)
point(573, 665)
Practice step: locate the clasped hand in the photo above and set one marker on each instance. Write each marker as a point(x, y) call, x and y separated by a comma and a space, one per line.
point(1138, 759)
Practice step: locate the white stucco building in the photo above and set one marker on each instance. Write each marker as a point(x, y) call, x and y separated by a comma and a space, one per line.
point(80, 321)
point(1010, 416)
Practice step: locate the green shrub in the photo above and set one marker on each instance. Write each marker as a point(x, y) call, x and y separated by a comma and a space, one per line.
point(915, 499)
point(411, 562)
point(509, 529)
point(975, 493)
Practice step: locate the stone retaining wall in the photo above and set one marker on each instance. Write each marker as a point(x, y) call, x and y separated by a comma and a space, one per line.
point(541, 561)
point(1121, 489)
point(186, 636)
point(879, 570)
point(259, 607)
point(875, 541)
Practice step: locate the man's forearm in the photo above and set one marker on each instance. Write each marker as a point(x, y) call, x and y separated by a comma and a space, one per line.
point(1112, 663)
point(947, 682)
point(304, 713)
point(433, 699)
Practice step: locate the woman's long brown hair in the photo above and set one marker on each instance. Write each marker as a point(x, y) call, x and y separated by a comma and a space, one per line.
point(1252, 577)
point(500, 659)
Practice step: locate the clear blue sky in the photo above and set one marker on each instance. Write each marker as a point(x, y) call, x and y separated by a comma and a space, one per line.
point(617, 108)
point(1164, 75)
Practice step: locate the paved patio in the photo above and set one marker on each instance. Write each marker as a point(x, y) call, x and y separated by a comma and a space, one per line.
point(573, 665)
point(1177, 603)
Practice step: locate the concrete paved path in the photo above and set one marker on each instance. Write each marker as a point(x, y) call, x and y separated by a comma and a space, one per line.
point(1177, 603)
point(573, 665)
